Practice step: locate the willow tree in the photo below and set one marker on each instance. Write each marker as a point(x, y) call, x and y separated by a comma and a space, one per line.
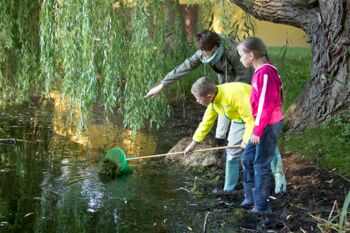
point(106, 52)
point(327, 25)
point(19, 50)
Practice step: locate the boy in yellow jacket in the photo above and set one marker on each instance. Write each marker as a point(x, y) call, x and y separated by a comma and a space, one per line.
point(230, 100)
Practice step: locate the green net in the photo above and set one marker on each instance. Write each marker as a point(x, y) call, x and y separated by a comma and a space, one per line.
point(113, 163)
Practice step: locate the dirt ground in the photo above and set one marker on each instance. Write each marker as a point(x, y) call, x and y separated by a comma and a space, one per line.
point(314, 197)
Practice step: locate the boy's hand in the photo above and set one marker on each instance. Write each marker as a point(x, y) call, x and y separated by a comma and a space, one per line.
point(243, 145)
point(255, 139)
point(154, 91)
point(190, 148)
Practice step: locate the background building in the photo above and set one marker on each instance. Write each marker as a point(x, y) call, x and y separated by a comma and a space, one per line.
point(273, 34)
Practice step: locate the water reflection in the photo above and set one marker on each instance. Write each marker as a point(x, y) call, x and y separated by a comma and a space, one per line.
point(142, 202)
point(99, 134)
point(49, 181)
point(93, 193)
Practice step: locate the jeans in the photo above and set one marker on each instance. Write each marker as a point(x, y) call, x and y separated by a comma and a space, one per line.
point(256, 161)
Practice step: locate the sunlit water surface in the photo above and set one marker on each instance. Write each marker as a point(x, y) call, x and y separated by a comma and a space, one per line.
point(49, 180)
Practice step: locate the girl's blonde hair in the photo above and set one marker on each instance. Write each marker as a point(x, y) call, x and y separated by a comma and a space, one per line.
point(255, 45)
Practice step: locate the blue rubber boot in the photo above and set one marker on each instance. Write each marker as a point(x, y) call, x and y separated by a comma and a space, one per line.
point(261, 197)
point(277, 170)
point(231, 174)
point(280, 183)
point(248, 201)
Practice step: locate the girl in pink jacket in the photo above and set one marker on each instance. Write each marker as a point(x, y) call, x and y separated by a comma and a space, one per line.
point(265, 101)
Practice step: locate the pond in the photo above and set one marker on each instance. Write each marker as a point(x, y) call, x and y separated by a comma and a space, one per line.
point(49, 180)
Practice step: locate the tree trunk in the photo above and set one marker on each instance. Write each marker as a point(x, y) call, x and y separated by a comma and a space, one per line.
point(327, 24)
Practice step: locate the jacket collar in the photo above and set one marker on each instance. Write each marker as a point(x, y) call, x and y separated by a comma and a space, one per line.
point(263, 65)
point(218, 95)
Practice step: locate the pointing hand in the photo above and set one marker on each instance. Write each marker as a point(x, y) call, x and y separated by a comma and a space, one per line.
point(154, 91)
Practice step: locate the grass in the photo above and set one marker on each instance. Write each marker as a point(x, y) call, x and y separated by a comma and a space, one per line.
point(327, 143)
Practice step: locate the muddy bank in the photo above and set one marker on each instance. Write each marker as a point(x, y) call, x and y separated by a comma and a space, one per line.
point(306, 207)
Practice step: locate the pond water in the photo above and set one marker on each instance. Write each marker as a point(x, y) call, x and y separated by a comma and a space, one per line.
point(49, 180)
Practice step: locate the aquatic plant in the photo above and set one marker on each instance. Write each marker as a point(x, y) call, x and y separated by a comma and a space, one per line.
point(108, 167)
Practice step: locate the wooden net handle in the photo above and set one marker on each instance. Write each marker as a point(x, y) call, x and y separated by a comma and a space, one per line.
point(182, 152)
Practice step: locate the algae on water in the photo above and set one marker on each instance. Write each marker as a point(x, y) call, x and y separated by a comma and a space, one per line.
point(108, 167)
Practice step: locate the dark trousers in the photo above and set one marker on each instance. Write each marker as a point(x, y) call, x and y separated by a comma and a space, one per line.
point(257, 165)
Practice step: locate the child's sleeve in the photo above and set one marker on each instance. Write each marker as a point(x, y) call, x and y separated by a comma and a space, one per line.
point(267, 90)
point(206, 125)
point(180, 71)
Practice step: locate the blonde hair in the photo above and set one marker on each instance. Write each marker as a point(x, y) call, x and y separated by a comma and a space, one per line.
point(203, 86)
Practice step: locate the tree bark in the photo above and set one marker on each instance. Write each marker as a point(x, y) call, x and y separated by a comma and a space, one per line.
point(327, 25)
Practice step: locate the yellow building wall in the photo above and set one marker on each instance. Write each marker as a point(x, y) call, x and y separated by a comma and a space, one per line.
point(272, 34)
point(278, 35)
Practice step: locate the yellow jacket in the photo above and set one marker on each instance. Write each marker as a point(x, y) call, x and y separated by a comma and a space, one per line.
point(231, 101)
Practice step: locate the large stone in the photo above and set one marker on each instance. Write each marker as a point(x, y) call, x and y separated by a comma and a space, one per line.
point(197, 159)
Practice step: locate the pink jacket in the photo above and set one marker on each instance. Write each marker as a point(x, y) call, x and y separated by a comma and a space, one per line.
point(265, 99)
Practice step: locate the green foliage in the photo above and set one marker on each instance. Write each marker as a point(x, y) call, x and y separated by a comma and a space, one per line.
point(248, 27)
point(91, 53)
point(105, 52)
point(47, 44)
point(6, 38)
point(328, 142)
point(18, 49)
point(110, 53)
point(76, 42)
point(145, 66)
